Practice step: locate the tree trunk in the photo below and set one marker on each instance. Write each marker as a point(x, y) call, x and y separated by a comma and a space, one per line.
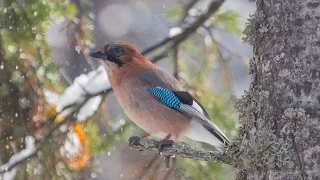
point(280, 133)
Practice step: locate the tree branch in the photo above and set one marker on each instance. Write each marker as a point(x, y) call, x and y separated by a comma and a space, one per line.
point(175, 61)
point(182, 150)
point(160, 56)
point(175, 149)
point(212, 8)
point(186, 11)
point(44, 139)
point(47, 136)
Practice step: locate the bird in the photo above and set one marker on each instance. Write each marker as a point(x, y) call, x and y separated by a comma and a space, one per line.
point(154, 99)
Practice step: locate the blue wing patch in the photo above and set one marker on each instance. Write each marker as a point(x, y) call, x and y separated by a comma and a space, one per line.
point(185, 103)
point(165, 96)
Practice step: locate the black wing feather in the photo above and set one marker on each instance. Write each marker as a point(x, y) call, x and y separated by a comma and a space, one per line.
point(158, 77)
point(186, 98)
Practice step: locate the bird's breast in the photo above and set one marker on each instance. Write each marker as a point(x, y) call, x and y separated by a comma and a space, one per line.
point(148, 113)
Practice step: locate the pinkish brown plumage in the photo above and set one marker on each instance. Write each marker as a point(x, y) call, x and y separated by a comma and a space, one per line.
point(130, 73)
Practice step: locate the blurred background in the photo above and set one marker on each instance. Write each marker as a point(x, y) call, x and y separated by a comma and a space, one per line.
point(59, 118)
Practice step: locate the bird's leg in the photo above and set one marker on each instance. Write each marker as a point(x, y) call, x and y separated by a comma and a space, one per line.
point(145, 136)
point(165, 142)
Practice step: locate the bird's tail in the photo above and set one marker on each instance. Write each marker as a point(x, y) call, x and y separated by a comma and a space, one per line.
point(217, 133)
point(208, 134)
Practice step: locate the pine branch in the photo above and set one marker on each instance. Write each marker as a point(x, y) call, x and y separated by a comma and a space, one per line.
point(213, 6)
point(181, 150)
point(48, 135)
point(186, 11)
point(175, 52)
point(174, 150)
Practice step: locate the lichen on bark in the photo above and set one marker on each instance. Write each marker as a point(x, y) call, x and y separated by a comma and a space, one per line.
point(279, 135)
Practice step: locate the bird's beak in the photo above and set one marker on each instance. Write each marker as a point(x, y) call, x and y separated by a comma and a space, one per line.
point(99, 55)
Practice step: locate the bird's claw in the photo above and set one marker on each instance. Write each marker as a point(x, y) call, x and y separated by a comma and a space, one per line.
point(162, 144)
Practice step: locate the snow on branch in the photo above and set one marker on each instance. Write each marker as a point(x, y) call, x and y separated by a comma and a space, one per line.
point(86, 93)
point(177, 37)
point(93, 84)
point(32, 146)
point(16, 158)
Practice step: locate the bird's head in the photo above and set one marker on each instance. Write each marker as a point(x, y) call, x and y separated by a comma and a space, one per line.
point(118, 55)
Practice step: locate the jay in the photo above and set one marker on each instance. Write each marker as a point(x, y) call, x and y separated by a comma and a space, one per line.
point(154, 99)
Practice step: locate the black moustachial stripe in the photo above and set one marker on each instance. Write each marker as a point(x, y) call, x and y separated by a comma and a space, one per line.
point(115, 60)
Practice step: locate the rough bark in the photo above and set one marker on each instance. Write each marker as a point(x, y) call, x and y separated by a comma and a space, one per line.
point(280, 133)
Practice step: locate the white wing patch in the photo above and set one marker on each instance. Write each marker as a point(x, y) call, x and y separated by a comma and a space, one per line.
point(197, 107)
point(198, 133)
point(185, 103)
point(199, 115)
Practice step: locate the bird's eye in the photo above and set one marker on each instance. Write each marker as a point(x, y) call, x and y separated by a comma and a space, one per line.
point(117, 51)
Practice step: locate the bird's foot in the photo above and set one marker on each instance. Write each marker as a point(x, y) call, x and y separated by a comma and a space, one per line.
point(163, 144)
